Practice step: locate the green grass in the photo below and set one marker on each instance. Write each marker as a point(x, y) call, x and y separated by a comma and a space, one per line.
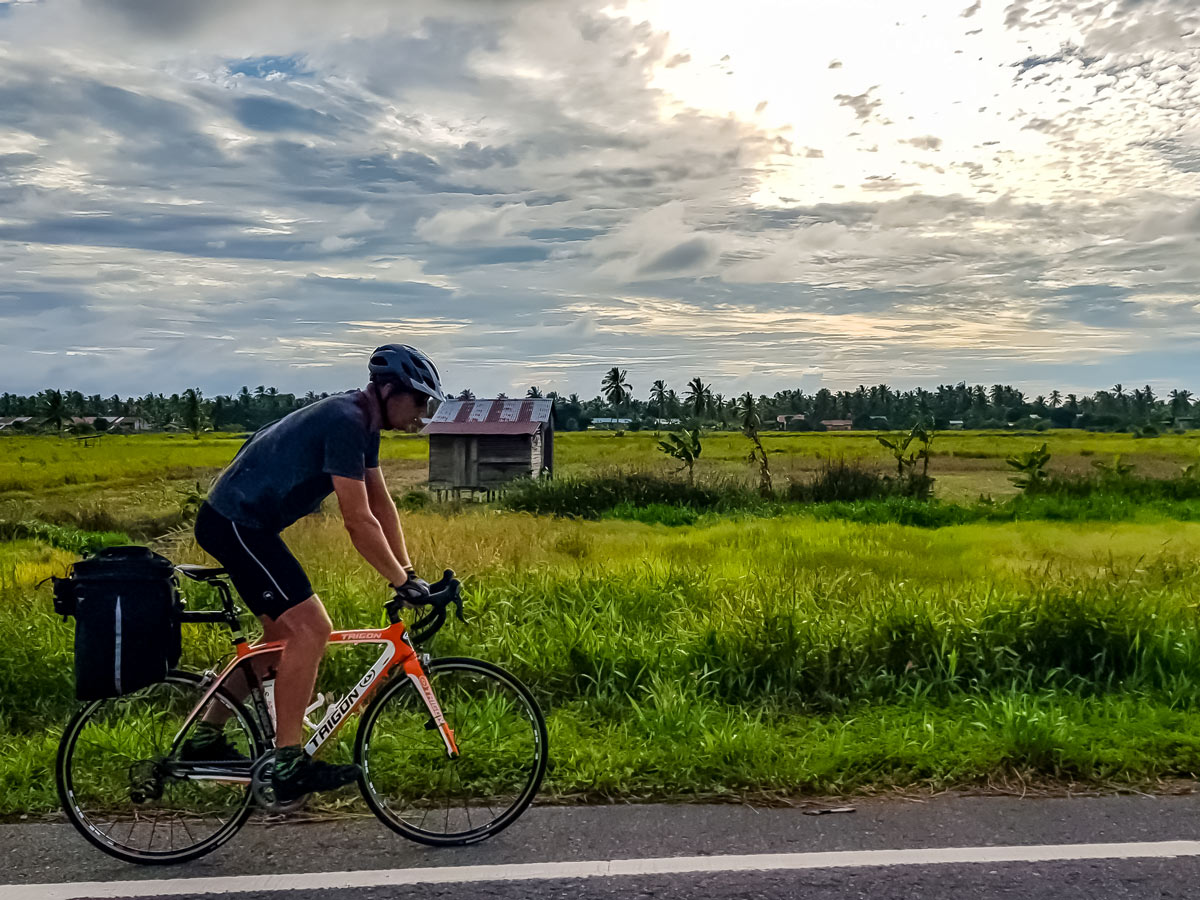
point(34, 464)
point(786, 655)
point(683, 650)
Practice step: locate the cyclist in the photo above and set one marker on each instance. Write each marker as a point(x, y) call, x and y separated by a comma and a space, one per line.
point(280, 474)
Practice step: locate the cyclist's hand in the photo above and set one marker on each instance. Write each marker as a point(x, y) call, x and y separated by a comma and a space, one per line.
point(414, 592)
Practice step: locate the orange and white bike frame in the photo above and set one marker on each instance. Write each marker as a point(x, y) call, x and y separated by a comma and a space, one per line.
point(397, 652)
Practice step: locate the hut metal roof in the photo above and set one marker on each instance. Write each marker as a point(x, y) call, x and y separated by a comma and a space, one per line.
point(490, 417)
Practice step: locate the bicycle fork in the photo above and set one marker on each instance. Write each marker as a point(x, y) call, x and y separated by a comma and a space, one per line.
point(415, 670)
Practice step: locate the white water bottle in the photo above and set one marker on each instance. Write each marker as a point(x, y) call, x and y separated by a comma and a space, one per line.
point(268, 690)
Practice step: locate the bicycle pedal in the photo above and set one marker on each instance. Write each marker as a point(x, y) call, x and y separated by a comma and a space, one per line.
point(263, 791)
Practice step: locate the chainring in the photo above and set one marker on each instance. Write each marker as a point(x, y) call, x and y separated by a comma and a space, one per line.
point(263, 791)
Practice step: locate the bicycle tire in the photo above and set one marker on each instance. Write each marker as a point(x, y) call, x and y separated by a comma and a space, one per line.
point(407, 773)
point(127, 735)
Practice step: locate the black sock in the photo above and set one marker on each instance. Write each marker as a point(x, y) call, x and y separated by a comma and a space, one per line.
point(288, 760)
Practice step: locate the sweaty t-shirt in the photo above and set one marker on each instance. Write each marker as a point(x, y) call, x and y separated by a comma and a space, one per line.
point(285, 470)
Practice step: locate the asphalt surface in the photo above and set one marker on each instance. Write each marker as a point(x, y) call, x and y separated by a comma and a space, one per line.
point(43, 854)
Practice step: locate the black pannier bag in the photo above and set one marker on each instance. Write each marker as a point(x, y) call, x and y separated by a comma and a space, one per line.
point(127, 625)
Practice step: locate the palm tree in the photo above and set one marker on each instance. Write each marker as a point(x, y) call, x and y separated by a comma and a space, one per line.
point(465, 394)
point(193, 415)
point(673, 402)
point(1055, 399)
point(534, 393)
point(698, 396)
point(658, 397)
point(616, 389)
point(1181, 402)
point(747, 411)
point(53, 409)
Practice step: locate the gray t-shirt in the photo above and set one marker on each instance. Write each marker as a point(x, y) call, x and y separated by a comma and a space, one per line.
point(285, 470)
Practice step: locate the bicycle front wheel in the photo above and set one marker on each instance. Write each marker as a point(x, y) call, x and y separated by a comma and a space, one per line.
point(408, 777)
point(125, 787)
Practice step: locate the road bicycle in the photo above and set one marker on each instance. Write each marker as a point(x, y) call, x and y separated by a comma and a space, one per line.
point(452, 749)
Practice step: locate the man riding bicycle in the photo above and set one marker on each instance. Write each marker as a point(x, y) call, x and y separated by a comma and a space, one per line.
point(281, 474)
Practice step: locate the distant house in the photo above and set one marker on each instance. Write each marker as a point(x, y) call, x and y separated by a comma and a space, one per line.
point(956, 424)
point(611, 423)
point(115, 423)
point(785, 421)
point(10, 421)
point(837, 424)
point(128, 423)
point(481, 444)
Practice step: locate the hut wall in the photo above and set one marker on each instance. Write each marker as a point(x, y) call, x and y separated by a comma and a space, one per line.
point(503, 458)
point(453, 459)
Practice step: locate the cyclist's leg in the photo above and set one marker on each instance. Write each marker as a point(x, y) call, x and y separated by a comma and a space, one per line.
point(304, 629)
point(266, 576)
point(307, 628)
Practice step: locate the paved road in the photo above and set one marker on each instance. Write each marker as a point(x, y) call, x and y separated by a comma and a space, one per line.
point(47, 854)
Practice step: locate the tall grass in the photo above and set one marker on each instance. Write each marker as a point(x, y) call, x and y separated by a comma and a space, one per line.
point(844, 490)
point(760, 648)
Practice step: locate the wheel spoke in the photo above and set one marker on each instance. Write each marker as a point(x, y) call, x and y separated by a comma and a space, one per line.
point(113, 751)
point(501, 740)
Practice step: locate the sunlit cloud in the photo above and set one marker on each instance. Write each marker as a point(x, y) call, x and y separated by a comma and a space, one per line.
point(820, 193)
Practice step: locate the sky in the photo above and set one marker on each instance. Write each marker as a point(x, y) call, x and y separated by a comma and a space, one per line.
point(768, 195)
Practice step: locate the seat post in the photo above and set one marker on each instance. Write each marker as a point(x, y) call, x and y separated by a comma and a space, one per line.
point(231, 617)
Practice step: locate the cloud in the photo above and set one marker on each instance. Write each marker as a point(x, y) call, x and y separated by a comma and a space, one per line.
point(971, 10)
point(863, 104)
point(271, 114)
point(925, 142)
point(528, 188)
point(655, 244)
point(471, 224)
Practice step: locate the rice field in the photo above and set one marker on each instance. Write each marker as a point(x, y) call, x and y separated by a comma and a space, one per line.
point(738, 656)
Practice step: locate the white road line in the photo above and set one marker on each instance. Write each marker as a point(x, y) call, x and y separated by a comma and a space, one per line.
point(679, 865)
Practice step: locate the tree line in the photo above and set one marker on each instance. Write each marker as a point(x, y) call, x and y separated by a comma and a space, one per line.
point(879, 407)
point(246, 410)
point(695, 404)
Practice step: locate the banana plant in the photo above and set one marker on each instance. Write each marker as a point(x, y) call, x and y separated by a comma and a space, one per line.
point(685, 447)
point(1031, 465)
point(900, 448)
point(1114, 469)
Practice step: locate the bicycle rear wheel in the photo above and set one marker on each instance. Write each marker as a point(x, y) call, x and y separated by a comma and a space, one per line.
point(123, 786)
point(409, 779)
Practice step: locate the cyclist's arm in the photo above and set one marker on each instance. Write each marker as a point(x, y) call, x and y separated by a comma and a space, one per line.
point(384, 509)
point(366, 533)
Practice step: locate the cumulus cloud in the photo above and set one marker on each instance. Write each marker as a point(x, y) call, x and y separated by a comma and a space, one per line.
point(659, 243)
point(863, 104)
point(926, 142)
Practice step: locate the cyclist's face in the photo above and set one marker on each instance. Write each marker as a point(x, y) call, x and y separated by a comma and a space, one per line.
point(404, 411)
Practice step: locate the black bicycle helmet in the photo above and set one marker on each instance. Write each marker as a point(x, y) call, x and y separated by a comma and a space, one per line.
point(408, 367)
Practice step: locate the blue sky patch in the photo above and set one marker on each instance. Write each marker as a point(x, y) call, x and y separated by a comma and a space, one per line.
point(267, 66)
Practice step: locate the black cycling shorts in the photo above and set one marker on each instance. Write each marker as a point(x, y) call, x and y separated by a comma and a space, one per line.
point(261, 567)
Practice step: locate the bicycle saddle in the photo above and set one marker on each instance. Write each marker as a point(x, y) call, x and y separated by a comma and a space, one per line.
point(199, 573)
